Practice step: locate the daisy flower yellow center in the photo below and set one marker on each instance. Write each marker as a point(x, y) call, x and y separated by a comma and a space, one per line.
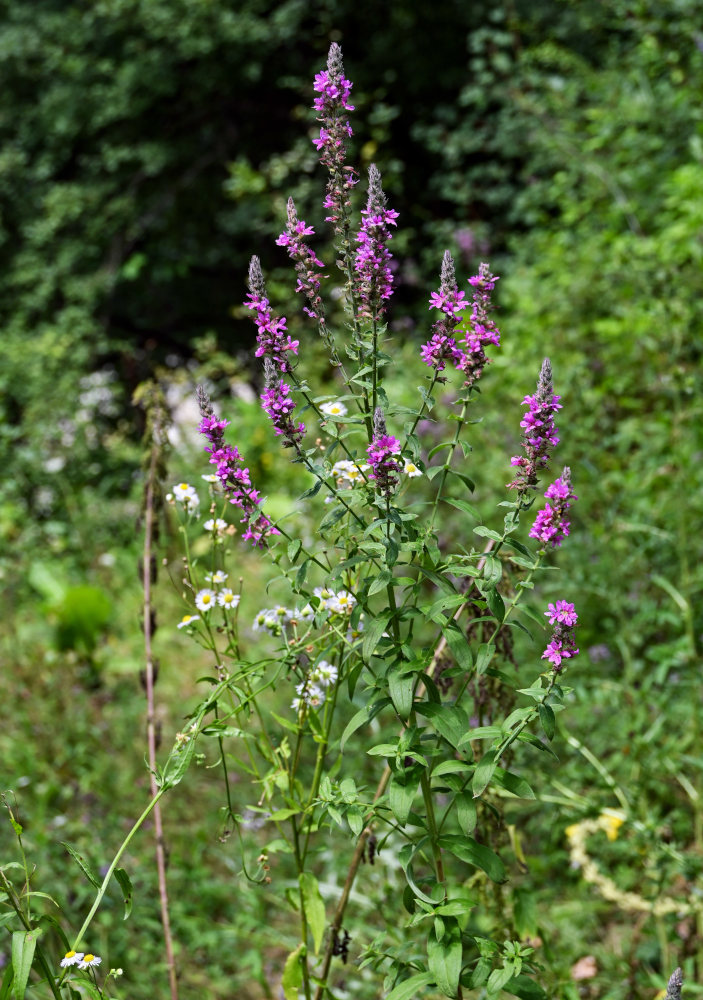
point(185, 618)
point(69, 954)
point(205, 598)
point(181, 486)
point(88, 958)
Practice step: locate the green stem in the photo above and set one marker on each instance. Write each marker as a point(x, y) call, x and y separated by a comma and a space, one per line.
point(16, 906)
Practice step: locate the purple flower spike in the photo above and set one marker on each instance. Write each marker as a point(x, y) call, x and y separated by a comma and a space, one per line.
point(551, 525)
point(385, 470)
point(273, 340)
point(540, 431)
point(306, 263)
point(235, 481)
point(563, 642)
point(373, 259)
point(482, 330)
point(278, 404)
point(443, 346)
point(331, 106)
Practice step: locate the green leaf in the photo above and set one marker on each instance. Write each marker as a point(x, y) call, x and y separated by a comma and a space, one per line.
point(473, 853)
point(466, 812)
point(400, 797)
point(302, 573)
point(495, 604)
point(407, 990)
point(373, 633)
point(23, 945)
point(466, 507)
point(451, 767)
point(294, 548)
point(314, 907)
point(524, 913)
point(401, 687)
point(450, 721)
point(444, 956)
point(485, 532)
point(513, 783)
point(481, 733)
point(293, 973)
point(484, 772)
point(381, 582)
point(484, 656)
point(125, 884)
point(525, 988)
point(83, 865)
point(459, 645)
point(546, 718)
point(498, 978)
point(361, 718)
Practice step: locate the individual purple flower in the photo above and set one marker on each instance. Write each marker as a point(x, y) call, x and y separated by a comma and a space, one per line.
point(563, 642)
point(331, 106)
point(562, 611)
point(372, 262)
point(306, 263)
point(551, 525)
point(540, 432)
point(234, 480)
point(273, 340)
point(482, 330)
point(278, 404)
point(385, 470)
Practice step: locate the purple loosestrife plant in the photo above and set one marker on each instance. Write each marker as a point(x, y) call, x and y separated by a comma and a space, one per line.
point(369, 623)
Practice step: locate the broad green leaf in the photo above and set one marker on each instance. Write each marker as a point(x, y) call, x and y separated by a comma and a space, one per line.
point(498, 978)
point(466, 812)
point(484, 656)
point(408, 989)
point(400, 797)
point(484, 772)
point(452, 767)
point(381, 582)
point(401, 687)
point(444, 956)
point(459, 645)
point(125, 884)
point(525, 988)
point(546, 717)
point(513, 783)
point(485, 532)
point(23, 945)
point(314, 907)
point(495, 604)
point(83, 865)
point(481, 733)
point(473, 853)
point(293, 973)
point(450, 721)
point(373, 633)
point(361, 718)
point(466, 507)
point(524, 913)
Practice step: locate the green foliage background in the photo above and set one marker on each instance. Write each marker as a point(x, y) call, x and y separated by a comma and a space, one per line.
point(146, 150)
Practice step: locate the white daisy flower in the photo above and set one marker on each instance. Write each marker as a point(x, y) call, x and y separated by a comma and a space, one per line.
point(308, 694)
point(187, 620)
point(259, 620)
point(333, 409)
point(226, 599)
point(411, 470)
point(89, 960)
point(283, 614)
point(324, 673)
point(205, 599)
point(71, 958)
point(184, 492)
point(210, 479)
point(215, 524)
point(343, 602)
point(355, 633)
point(326, 597)
point(307, 613)
point(217, 577)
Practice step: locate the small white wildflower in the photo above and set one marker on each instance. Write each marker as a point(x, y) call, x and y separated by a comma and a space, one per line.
point(343, 602)
point(184, 492)
point(306, 613)
point(411, 470)
point(282, 613)
point(217, 577)
point(309, 694)
point(210, 479)
point(259, 620)
point(71, 958)
point(216, 525)
point(226, 599)
point(324, 673)
point(187, 620)
point(333, 409)
point(116, 972)
point(89, 960)
point(205, 599)
point(326, 597)
point(355, 633)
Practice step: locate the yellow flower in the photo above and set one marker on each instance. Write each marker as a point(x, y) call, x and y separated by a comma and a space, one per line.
point(610, 821)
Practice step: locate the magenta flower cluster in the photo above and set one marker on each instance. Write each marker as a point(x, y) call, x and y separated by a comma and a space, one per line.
point(335, 90)
point(385, 469)
point(275, 346)
point(539, 431)
point(551, 525)
point(234, 480)
point(306, 262)
point(563, 618)
point(372, 262)
point(471, 357)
